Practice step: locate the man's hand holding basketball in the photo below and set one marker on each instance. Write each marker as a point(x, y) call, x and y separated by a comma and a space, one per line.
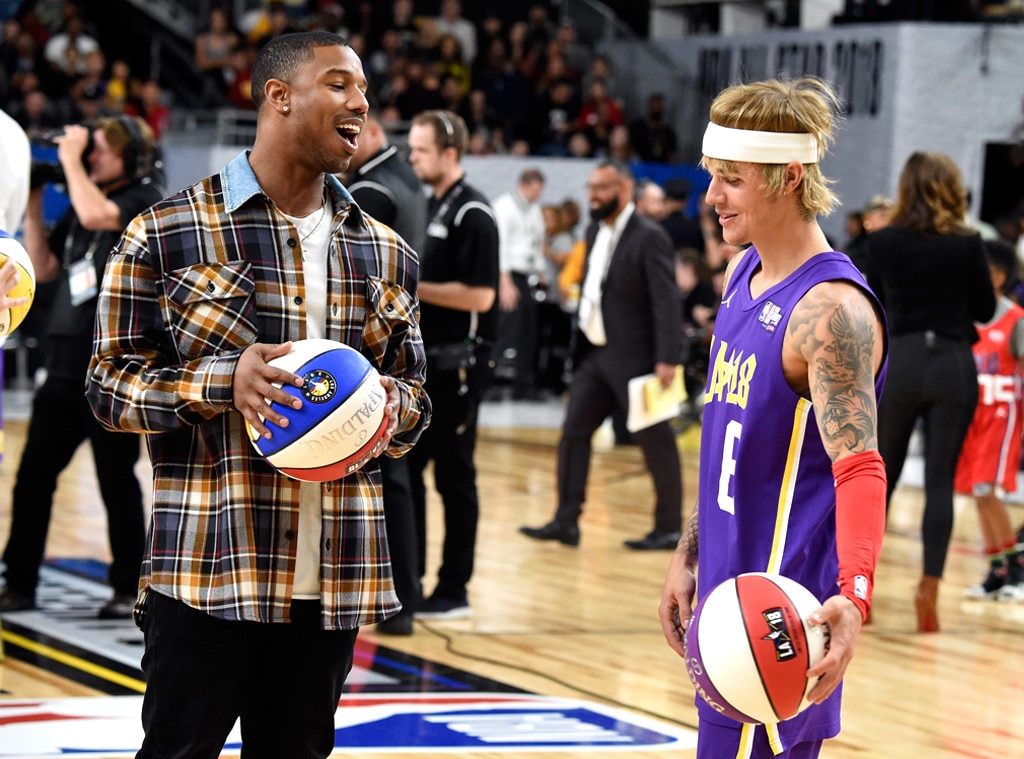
point(254, 388)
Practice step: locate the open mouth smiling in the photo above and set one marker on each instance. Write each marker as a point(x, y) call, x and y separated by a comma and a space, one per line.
point(349, 134)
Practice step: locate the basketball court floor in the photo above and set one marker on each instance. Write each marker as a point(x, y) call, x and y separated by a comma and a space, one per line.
point(563, 655)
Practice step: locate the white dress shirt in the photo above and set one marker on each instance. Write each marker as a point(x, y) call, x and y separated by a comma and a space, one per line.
point(600, 258)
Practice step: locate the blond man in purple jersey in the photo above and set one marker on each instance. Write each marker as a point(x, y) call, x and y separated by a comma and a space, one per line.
point(791, 481)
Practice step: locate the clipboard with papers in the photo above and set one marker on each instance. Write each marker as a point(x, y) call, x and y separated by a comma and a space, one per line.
point(650, 403)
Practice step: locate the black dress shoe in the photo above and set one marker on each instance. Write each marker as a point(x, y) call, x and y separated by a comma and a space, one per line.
point(120, 606)
point(11, 601)
point(658, 540)
point(564, 531)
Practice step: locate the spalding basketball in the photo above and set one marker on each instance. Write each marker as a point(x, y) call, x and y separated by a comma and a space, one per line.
point(10, 248)
point(342, 415)
point(749, 646)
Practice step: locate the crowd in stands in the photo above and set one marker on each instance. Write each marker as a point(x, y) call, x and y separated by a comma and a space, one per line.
point(54, 72)
point(525, 86)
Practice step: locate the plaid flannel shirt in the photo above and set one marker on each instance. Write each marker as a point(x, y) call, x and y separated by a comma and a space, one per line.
point(195, 280)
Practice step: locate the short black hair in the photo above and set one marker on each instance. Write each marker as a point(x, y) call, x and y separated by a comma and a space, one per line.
point(284, 55)
point(1003, 257)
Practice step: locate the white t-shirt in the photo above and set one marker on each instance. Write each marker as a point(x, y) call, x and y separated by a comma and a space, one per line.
point(314, 238)
point(15, 167)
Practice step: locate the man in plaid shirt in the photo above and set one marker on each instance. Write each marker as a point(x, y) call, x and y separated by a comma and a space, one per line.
point(254, 585)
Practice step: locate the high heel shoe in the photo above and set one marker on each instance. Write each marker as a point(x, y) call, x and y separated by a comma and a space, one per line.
point(926, 602)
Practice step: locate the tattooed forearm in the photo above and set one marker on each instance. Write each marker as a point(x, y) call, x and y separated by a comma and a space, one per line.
point(688, 542)
point(837, 338)
point(844, 379)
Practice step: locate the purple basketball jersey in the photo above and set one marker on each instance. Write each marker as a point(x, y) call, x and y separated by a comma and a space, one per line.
point(767, 496)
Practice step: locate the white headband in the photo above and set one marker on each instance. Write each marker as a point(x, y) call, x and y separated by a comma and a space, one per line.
point(752, 146)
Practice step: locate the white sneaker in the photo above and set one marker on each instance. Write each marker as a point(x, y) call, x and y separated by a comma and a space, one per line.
point(1014, 592)
point(990, 587)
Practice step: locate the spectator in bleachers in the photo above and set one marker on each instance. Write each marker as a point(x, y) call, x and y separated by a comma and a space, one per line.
point(600, 70)
point(361, 20)
point(120, 86)
point(579, 146)
point(151, 108)
point(553, 119)
point(26, 61)
point(280, 22)
point(490, 28)
point(599, 114)
point(619, 145)
point(239, 92)
point(380, 61)
point(86, 103)
point(331, 18)
point(653, 138)
point(403, 21)
point(576, 55)
point(66, 50)
point(413, 92)
point(450, 21)
point(429, 39)
point(519, 51)
point(35, 112)
point(480, 118)
point(450, 63)
point(213, 48)
point(505, 86)
point(539, 28)
point(9, 32)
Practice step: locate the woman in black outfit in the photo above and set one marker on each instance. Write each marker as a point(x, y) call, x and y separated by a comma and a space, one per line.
point(930, 271)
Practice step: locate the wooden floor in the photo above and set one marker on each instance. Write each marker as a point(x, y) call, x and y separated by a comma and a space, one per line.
point(582, 623)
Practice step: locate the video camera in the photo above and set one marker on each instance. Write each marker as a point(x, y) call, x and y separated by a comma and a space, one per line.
point(51, 172)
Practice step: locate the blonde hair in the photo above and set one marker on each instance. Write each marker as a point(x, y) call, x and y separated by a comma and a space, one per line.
point(807, 105)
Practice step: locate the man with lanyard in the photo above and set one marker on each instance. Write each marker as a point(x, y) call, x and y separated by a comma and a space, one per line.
point(383, 184)
point(458, 289)
point(107, 186)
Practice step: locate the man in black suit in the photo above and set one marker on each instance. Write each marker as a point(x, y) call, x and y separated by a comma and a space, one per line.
point(628, 325)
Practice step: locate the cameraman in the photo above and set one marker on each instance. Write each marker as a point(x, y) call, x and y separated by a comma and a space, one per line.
point(105, 169)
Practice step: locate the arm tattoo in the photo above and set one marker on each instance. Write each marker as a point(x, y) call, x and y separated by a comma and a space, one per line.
point(837, 342)
point(688, 542)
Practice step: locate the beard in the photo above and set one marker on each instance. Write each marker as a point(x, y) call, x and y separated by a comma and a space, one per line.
point(602, 212)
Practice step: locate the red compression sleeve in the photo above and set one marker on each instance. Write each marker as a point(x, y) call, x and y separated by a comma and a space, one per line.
point(860, 523)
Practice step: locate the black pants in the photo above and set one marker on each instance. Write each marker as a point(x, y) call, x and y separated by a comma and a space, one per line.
point(61, 421)
point(282, 681)
point(593, 395)
point(450, 442)
point(520, 330)
point(933, 380)
point(400, 523)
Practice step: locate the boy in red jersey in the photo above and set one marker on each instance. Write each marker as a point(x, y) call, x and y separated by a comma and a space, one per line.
point(991, 453)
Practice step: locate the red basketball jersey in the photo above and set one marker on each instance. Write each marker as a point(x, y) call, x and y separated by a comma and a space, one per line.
point(991, 451)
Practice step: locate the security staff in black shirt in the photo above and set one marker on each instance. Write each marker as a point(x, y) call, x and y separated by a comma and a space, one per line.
point(458, 320)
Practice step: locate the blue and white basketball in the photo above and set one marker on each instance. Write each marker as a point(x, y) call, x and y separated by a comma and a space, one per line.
point(342, 415)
